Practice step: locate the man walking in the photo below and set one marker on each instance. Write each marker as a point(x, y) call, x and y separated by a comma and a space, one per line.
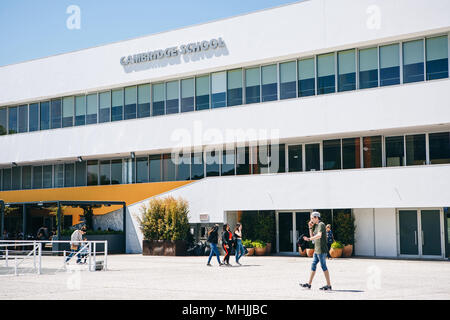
point(75, 243)
point(317, 232)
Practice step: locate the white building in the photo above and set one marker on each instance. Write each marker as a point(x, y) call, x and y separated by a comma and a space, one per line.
point(353, 95)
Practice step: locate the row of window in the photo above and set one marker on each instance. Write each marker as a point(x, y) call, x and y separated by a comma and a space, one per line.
point(410, 61)
point(347, 153)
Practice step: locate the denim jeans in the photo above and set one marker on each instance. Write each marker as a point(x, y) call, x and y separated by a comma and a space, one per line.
point(214, 250)
point(239, 249)
point(322, 257)
point(72, 253)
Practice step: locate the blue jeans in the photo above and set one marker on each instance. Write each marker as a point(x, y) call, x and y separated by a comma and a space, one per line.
point(72, 253)
point(239, 249)
point(214, 250)
point(322, 257)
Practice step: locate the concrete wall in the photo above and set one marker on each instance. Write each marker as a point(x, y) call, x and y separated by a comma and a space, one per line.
point(364, 234)
point(385, 232)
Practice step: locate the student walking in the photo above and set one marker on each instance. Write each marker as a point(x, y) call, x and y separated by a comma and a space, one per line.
point(213, 239)
point(330, 240)
point(239, 247)
point(227, 242)
point(317, 233)
point(75, 241)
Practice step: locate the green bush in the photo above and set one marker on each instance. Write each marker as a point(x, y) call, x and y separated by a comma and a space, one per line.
point(165, 219)
point(337, 245)
point(247, 243)
point(259, 225)
point(344, 228)
point(259, 244)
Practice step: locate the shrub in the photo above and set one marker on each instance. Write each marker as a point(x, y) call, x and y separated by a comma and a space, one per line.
point(165, 219)
point(344, 225)
point(259, 225)
point(259, 244)
point(247, 243)
point(337, 245)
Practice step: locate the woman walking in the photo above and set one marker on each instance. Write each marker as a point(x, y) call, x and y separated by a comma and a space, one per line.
point(213, 238)
point(239, 247)
point(227, 241)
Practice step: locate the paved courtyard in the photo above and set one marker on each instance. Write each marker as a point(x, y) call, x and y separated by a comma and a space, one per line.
point(268, 277)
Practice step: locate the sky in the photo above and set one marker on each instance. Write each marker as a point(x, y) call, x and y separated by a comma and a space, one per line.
point(31, 29)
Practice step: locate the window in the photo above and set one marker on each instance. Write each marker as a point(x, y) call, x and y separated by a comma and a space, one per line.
point(228, 162)
point(269, 83)
point(23, 118)
point(243, 160)
point(252, 85)
point(155, 167)
point(218, 89)
point(439, 147)
point(202, 93)
point(91, 109)
point(288, 80)
point(104, 114)
point(142, 170)
point(312, 157)
point(234, 90)
point(92, 173)
point(158, 99)
point(389, 65)
point(37, 177)
point(325, 74)
point(105, 172)
point(306, 78)
point(368, 68)
point(168, 168)
point(372, 152)
point(295, 158)
point(7, 174)
point(34, 117)
point(3, 121)
point(26, 177)
point(16, 178)
point(346, 70)
point(130, 103)
point(332, 154)
point(81, 173)
point(277, 158)
point(197, 166)
point(80, 110)
point(413, 65)
point(69, 175)
point(415, 150)
point(394, 151)
point(12, 120)
point(437, 57)
point(117, 105)
point(58, 177)
point(187, 95)
point(351, 153)
point(116, 171)
point(172, 97)
point(45, 115)
point(260, 159)
point(68, 112)
point(143, 101)
point(183, 166)
point(56, 114)
point(129, 171)
point(47, 176)
point(212, 163)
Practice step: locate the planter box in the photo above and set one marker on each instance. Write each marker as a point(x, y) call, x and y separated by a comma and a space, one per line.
point(260, 251)
point(310, 252)
point(268, 248)
point(164, 248)
point(335, 253)
point(347, 252)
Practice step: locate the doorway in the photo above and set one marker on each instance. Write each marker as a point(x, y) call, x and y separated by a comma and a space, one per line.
point(289, 226)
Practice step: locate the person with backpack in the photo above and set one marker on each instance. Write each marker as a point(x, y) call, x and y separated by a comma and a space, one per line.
point(213, 239)
point(238, 242)
point(227, 243)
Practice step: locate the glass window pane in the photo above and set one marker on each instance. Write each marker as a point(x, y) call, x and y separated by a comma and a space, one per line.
point(212, 163)
point(26, 177)
point(312, 157)
point(331, 154)
point(325, 73)
point(183, 166)
point(372, 152)
point(56, 113)
point(80, 110)
point(81, 173)
point(172, 97)
point(346, 70)
point(37, 177)
point(45, 115)
point(260, 160)
point(105, 172)
point(351, 153)
point(91, 108)
point(277, 158)
point(116, 171)
point(23, 118)
point(158, 99)
point(437, 57)
point(415, 150)
point(117, 105)
point(202, 93)
point(34, 117)
point(141, 169)
point(69, 175)
point(295, 158)
point(58, 177)
point(218, 89)
point(228, 162)
point(12, 120)
point(439, 147)
point(243, 160)
point(130, 103)
point(197, 166)
point(68, 111)
point(168, 168)
point(16, 178)
point(155, 167)
point(47, 176)
point(413, 67)
point(105, 107)
point(6, 181)
point(288, 80)
point(3, 121)
point(187, 95)
point(252, 85)
point(234, 88)
point(128, 171)
point(389, 65)
point(269, 83)
point(394, 151)
point(92, 173)
point(368, 68)
point(144, 101)
point(306, 78)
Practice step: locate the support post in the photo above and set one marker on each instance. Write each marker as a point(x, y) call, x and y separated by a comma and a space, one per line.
point(24, 222)
point(58, 225)
point(2, 218)
point(125, 227)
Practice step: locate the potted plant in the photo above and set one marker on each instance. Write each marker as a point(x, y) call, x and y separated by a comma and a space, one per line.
point(345, 230)
point(301, 252)
point(249, 246)
point(336, 249)
point(260, 247)
point(165, 226)
point(310, 249)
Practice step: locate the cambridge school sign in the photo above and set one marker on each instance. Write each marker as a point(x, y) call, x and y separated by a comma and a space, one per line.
point(212, 44)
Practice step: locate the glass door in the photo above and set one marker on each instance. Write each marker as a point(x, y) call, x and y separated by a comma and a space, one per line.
point(285, 235)
point(408, 232)
point(301, 224)
point(431, 232)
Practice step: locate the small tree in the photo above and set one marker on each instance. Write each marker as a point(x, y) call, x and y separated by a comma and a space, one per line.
point(344, 226)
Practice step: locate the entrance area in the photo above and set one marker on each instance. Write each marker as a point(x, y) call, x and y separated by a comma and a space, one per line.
point(290, 225)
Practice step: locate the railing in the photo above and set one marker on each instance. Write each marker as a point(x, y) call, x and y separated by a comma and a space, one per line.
point(14, 249)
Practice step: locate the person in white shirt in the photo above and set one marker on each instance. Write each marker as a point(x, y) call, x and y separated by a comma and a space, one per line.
point(75, 243)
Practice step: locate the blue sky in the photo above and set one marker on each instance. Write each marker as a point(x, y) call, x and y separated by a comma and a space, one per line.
point(31, 29)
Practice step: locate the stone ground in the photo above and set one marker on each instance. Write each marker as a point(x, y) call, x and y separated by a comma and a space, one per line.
point(268, 277)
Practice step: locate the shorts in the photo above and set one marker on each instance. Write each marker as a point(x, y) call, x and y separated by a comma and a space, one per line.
point(322, 257)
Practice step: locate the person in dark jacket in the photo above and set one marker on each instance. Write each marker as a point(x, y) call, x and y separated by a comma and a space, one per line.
point(227, 242)
point(213, 239)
